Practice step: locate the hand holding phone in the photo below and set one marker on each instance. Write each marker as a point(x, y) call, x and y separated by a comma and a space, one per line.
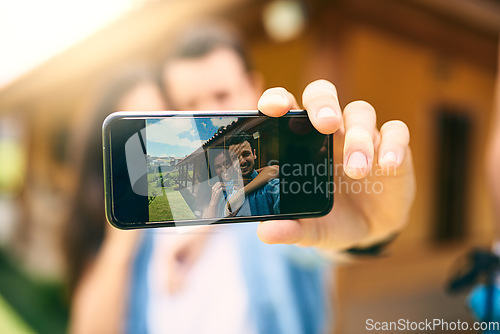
point(374, 175)
point(171, 169)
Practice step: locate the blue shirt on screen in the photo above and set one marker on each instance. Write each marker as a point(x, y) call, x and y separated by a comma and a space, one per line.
point(261, 202)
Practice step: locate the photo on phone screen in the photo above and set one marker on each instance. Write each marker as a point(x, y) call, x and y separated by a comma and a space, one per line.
point(220, 168)
point(208, 168)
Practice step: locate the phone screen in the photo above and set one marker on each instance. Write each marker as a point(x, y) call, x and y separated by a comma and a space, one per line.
point(211, 168)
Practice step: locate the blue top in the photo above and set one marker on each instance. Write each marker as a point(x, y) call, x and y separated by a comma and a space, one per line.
point(266, 199)
point(263, 201)
point(285, 284)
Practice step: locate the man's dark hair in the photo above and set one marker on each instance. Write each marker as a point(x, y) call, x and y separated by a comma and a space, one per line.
point(203, 38)
point(240, 138)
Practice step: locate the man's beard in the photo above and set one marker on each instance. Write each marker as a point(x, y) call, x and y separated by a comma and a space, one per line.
point(246, 170)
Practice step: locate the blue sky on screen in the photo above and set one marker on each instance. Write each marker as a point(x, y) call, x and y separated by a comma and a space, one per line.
point(179, 137)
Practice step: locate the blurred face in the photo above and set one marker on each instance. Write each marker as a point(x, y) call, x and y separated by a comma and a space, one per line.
point(223, 167)
point(246, 157)
point(216, 81)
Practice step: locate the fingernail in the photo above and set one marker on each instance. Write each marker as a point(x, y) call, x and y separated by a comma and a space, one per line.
point(390, 158)
point(326, 112)
point(357, 160)
point(276, 99)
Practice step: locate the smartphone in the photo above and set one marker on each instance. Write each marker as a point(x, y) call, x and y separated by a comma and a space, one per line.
point(188, 168)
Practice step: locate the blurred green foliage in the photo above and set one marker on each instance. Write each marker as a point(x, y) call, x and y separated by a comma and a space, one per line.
point(41, 305)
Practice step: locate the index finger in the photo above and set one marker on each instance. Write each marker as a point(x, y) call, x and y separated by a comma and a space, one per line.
point(322, 105)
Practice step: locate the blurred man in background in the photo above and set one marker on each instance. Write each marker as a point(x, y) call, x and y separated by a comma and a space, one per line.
point(262, 288)
point(228, 279)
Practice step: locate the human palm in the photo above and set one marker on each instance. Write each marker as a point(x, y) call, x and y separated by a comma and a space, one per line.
point(374, 175)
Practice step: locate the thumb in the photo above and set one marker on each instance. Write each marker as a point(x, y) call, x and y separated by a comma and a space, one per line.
point(280, 232)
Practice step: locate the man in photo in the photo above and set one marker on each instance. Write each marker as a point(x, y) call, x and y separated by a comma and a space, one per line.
point(262, 193)
point(241, 190)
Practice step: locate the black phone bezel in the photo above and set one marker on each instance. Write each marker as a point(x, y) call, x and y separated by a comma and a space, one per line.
point(109, 185)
